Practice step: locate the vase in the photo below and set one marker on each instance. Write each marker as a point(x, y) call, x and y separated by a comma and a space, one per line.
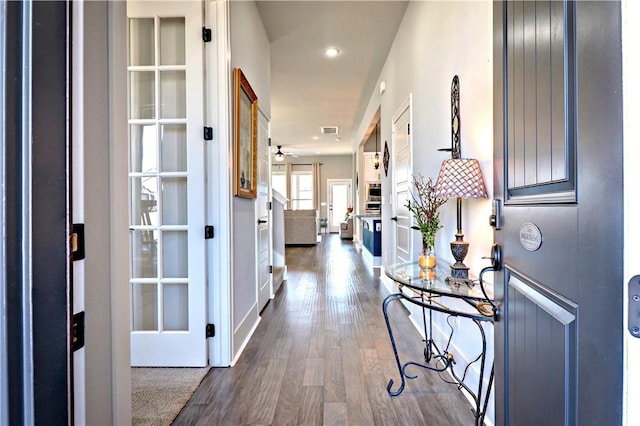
point(427, 259)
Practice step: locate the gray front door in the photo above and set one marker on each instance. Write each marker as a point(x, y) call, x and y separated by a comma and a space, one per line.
point(558, 176)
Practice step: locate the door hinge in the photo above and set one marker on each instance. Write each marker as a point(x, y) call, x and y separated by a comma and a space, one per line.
point(206, 34)
point(634, 306)
point(208, 232)
point(269, 141)
point(269, 205)
point(77, 241)
point(208, 133)
point(408, 128)
point(210, 330)
point(271, 269)
point(77, 331)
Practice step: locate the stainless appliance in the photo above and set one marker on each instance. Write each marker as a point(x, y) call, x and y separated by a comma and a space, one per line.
point(372, 207)
point(373, 198)
point(374, 191)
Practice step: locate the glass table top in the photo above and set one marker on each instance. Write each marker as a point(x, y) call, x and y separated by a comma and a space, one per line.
point(436, 281)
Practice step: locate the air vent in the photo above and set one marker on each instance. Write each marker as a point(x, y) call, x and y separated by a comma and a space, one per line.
point(329, 130)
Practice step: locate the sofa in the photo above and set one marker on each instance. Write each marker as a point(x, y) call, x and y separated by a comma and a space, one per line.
point(346, 229)
point(300, 227)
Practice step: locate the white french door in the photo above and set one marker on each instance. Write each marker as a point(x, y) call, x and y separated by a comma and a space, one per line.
point(339, 199)
point(166, 178)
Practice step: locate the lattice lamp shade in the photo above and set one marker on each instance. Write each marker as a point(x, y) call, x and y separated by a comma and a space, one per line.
point(460, 177)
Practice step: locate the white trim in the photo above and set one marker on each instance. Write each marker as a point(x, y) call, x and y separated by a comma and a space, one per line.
point(246, 340)
point(120, 357)
point(78, 200)
point(389, 285)
point(631, 109)
point(219, 190)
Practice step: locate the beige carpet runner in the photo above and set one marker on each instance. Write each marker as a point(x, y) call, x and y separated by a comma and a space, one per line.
point(158, 394)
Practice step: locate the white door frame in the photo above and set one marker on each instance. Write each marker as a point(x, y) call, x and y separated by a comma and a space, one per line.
point(219, 195)
point(77, 189)
point(335, 227)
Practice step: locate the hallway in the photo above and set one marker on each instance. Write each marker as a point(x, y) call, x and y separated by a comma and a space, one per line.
point(321, 355)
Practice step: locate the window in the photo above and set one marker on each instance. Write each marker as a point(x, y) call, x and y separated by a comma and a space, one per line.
point(301, 187)
point(301, 190)
point(279, 179)
point(294, 181)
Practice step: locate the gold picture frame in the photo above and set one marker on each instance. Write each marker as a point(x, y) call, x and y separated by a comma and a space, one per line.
point(245, 131)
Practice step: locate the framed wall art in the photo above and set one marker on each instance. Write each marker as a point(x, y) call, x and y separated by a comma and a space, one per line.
point(245, 142)
point(385, 158)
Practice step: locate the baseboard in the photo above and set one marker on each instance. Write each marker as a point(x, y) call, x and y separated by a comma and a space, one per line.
point(246, 328)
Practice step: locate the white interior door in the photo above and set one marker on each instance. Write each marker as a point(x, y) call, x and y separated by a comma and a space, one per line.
point(264, 221)
point(401, 158)
point(166, 177)
point(339, 200)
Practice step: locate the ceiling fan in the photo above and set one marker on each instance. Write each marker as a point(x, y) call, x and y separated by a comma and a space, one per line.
point(279, 155)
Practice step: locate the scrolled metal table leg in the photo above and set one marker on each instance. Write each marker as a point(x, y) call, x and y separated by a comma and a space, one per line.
point(385, 305)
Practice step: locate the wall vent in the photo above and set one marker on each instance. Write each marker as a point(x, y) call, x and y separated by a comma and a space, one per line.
point(329, 130)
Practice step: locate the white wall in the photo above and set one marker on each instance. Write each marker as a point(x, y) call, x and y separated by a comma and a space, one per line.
point(436, 41)
point(249, 52)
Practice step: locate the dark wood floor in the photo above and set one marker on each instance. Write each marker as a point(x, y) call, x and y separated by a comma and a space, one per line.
point(321, 355)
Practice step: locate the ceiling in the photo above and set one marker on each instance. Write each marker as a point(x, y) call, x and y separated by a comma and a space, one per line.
point(309, 90)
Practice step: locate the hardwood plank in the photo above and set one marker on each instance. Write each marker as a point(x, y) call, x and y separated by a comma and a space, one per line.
point(266, 393)
point(335, 414)
point(358, 406)
point(334, 391)
point(313, 372)
point(311, 406)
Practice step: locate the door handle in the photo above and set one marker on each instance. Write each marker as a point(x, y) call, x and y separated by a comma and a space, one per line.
point(260, 221)
point(395, 218)
point(495, 257)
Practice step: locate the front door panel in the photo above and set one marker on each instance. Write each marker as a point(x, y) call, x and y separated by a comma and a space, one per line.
point(558, 145)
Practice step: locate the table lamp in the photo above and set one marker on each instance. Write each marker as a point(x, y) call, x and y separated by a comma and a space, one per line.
point(460, 178)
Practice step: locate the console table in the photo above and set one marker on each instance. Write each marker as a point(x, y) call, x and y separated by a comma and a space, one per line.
point(430, 289)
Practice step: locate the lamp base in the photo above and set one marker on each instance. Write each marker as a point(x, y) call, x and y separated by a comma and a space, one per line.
point(459, 271)
point(459, 249)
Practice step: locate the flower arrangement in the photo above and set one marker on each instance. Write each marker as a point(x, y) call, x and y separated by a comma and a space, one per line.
point(424, 207)
point(349, 212)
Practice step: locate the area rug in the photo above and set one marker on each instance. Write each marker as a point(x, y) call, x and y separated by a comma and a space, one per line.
point(158, 394)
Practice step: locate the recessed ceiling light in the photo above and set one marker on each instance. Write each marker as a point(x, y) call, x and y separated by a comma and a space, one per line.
point(315, 138)
point(338, 139)
point(331, 52)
